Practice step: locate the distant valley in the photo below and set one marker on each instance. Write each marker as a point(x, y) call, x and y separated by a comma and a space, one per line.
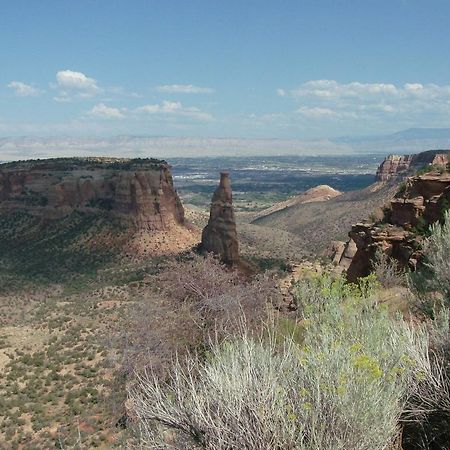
point(259, 182)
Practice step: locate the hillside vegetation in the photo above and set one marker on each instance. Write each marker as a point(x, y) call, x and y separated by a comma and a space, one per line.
point(317, 223)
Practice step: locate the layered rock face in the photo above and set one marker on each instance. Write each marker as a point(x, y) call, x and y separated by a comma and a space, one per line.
point(398, 235)
point(342, 253)
point(220, 235)
point(137, 192)
point(395, 167)
point(395, 242)
point(423, 200)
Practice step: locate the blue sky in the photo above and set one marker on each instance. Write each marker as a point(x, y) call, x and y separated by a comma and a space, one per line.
point(258, 69)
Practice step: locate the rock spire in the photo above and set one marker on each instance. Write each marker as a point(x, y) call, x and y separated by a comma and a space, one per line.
point(220, 235)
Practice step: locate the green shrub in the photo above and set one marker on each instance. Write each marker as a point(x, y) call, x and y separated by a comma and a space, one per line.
point(401, 189)
point(421, 227)
point(435, 275)
point(444, 206)
point(430, 168)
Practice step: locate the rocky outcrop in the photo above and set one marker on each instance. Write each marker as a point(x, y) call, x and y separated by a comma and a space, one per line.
point(395, 242)
point(393, 167)
point(220, 235)
point(396, 167)
point(136, 192)
point(422, 202)
point(399, 234)
point(342, 253)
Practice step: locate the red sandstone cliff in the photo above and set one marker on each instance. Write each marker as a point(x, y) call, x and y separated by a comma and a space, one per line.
point(395, 167)
point(137, 192)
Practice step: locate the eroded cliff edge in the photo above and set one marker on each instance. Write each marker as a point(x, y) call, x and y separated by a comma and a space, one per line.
point(137, 192)
point(420, 202)
point(396, 167)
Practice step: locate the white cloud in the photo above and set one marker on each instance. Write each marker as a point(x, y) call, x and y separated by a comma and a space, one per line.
point(281, 92)
point(413, 87)
point(63, 98)
point(333, 89)
point(23, 89)
point(316, 112)
point(74, 84)
point(184, 89)
point(409, 104)
point(106, 112)
point(75, 80)
point(174, 109)
point(164, 107)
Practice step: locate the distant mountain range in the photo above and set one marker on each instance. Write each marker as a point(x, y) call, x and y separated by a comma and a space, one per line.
point(410, 133)
point(412, 140)
point(423, 133)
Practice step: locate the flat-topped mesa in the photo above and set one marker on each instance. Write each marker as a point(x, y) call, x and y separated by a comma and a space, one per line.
point(395, 167)
point(137, 192)
point(220, 235)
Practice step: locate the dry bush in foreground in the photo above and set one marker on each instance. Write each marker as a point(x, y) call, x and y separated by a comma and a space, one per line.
point(387, 271)
point(437, 256)
point(426, 419)
point(219, 298)
point(195, 300)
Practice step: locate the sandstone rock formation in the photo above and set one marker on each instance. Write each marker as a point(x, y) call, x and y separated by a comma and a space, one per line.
point(342, 253)
point(220, 235)
point(424, 198)
point(395, 167)
point(136, 192)
point(399, 235)
point(395, 242)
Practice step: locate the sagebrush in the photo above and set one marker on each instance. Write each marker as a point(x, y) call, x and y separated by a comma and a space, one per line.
point(344, 386)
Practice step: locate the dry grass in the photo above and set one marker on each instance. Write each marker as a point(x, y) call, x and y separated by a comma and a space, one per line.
point(316, 224)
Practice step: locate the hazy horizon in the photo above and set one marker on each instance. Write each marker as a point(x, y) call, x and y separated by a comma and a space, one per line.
point(406, 141)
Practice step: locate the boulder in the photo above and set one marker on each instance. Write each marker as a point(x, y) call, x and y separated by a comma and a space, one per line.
point(341, 253)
